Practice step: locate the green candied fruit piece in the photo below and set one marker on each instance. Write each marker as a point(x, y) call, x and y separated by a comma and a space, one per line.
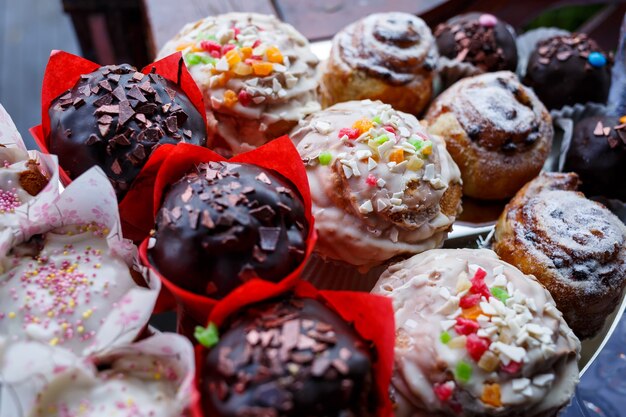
point(206, 37)
point(417, 143)
point(192, 59)
point(377, 120)
point(445, 337)
point(500, 294)
point(207, 337)
point(463, 371)
point(325, 158)
point(381, 139)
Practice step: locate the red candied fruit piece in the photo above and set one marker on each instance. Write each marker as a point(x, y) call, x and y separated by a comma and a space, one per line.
point(389, 129)
point(443, 391)
point(256, 43)
point(349, 132)
point(511, 368)
point(227, 47)
point(476, 346)
point(478, 284)
point(215, 54)
point(211, 46)
point(244, 98)
point(469, 300)
point(465, 326)
point(371, 180)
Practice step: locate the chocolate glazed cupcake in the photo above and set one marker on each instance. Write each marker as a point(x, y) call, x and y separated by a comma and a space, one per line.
point(115, 117)
point(225, 223)
point(389, 57)
point(478, 39)
point(288, 358)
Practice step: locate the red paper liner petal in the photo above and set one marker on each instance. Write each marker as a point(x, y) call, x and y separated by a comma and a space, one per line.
point(62, 72)
point(371, 315)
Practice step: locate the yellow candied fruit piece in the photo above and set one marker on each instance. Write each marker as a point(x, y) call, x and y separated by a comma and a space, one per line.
point(274, 55)
point(54, 341)
point(491, 395)
point(427, 149)
point(397, 156)
point(471, 313)
point(230, 98)
point(192, 45)
point(415, 163)
point(246, 52)
point(242, 69)
point(457, 342)
point(489, 362)
point(262, 68)
point(363, 125)
point(232, 57)
point(463, 283)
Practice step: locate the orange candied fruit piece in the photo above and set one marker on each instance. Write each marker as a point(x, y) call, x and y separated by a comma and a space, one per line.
point(242, 69)
point(363, 125)
point(274, 55)
point(230, 98)
point(262, 68)
point(491, 395)
point(622, 119)
point(471, 313)
point(192, 45)
point(246, 52)
point(397, 156)
point(232, 57)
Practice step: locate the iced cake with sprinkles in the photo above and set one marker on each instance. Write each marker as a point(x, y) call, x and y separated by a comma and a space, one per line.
point(475, 336)
point(381, 186)
point(58, 288)
point(256, 72)
point(21, 179)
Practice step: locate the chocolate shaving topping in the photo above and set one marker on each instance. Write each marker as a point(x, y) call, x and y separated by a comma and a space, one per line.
point(92, 140)
point(135, 93)
point(116, 168)
point(269, 237)
point(105, 84)
point(126, 112)
point(103, 101)
point(115, 78)
point(119, 93)
point(171, 93)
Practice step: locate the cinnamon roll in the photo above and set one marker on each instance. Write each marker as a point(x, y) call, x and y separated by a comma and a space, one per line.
point(496, 130)
point(476, 337)
point(386, 56)
point(574, 246)
point(380, 185)
point(257, 75)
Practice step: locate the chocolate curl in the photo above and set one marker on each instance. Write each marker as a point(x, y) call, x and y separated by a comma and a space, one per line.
point(62, 72)
point(172, 163)
point(371, 315)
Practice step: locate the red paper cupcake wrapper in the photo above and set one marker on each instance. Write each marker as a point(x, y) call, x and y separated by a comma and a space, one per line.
point(171, 163)
point(64, 70)
point(371, 315)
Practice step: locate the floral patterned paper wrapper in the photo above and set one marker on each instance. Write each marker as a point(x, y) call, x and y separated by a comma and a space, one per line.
point(64, 70)
point(13, 153)
point(174, 162)
point(371, 316)
point(97, 306)
point(152, 377)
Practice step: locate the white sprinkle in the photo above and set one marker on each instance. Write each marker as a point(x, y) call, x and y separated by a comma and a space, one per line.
point(447, 324)
point(429, 172)
point(444, 293)
point(258, 99)
point(543, 379)
point(520, 384)
point(347, 171)
point(395, 201)
point(528, 392)
point(276, 85)
point(382, 149)
point(286, 61)
point(366, 207)
point(371, 164)
point(399, 194)
point(214, 81)
point(322, 127)
point(216, 103)
point(151, 242)
point(450, 307)
point(488, 309)
point(282, 93)
point(290, 80)
point(222, 65)
point(363, 154)
point(531, 304)
point(536, 329)
point(498, 270)
point(410, 323)
point(279, 68)
point(393, 235)
point(381, 182)
point(482, 318)
point(399, 167)
point(404, 131)
point(252, 82)
point(499, 281)
point(381, 205)
point(514, 353)
point(268, 91)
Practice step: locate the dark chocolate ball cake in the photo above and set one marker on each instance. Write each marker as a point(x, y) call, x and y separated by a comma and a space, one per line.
point(597, 153)
point(569, 69)
point(287, 358)
point(225, 223)
point(480, 39)
point(115, 117)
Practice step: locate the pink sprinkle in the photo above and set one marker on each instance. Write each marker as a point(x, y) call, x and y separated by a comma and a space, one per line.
point(9, 200)
point(227, 48)
point(211, 46)
point(389, 129)
point(487, 20)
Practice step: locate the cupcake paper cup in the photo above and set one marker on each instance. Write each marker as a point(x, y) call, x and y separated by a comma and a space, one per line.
point(370, 315)
point(44, 378)
point(63, 71)
point(86, 211)
point(278, 155)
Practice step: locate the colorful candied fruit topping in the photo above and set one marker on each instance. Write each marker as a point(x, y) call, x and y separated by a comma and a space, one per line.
point(463, 371)
point(465, 326)
point(325, 158)
point(351, 133)
point(476, 346)
point(500, 294)
point(491, 395)
point(207, 336)
point(371, 180)
point(230, 98)
point(478, 284)
point(363, 125)
point(445, 337)
point(469, 300)
point(444, 391)
point(511, 368)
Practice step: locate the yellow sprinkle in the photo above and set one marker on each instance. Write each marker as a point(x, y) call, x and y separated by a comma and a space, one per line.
point(50, 314)
point(54, 341)
point(64, 326)
point(80, 329)
point(65, 252)
point(11, 315)
point(72, 303)
point(87, 313)
point(157, 376)
point(130, 402)
point(97, 266)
